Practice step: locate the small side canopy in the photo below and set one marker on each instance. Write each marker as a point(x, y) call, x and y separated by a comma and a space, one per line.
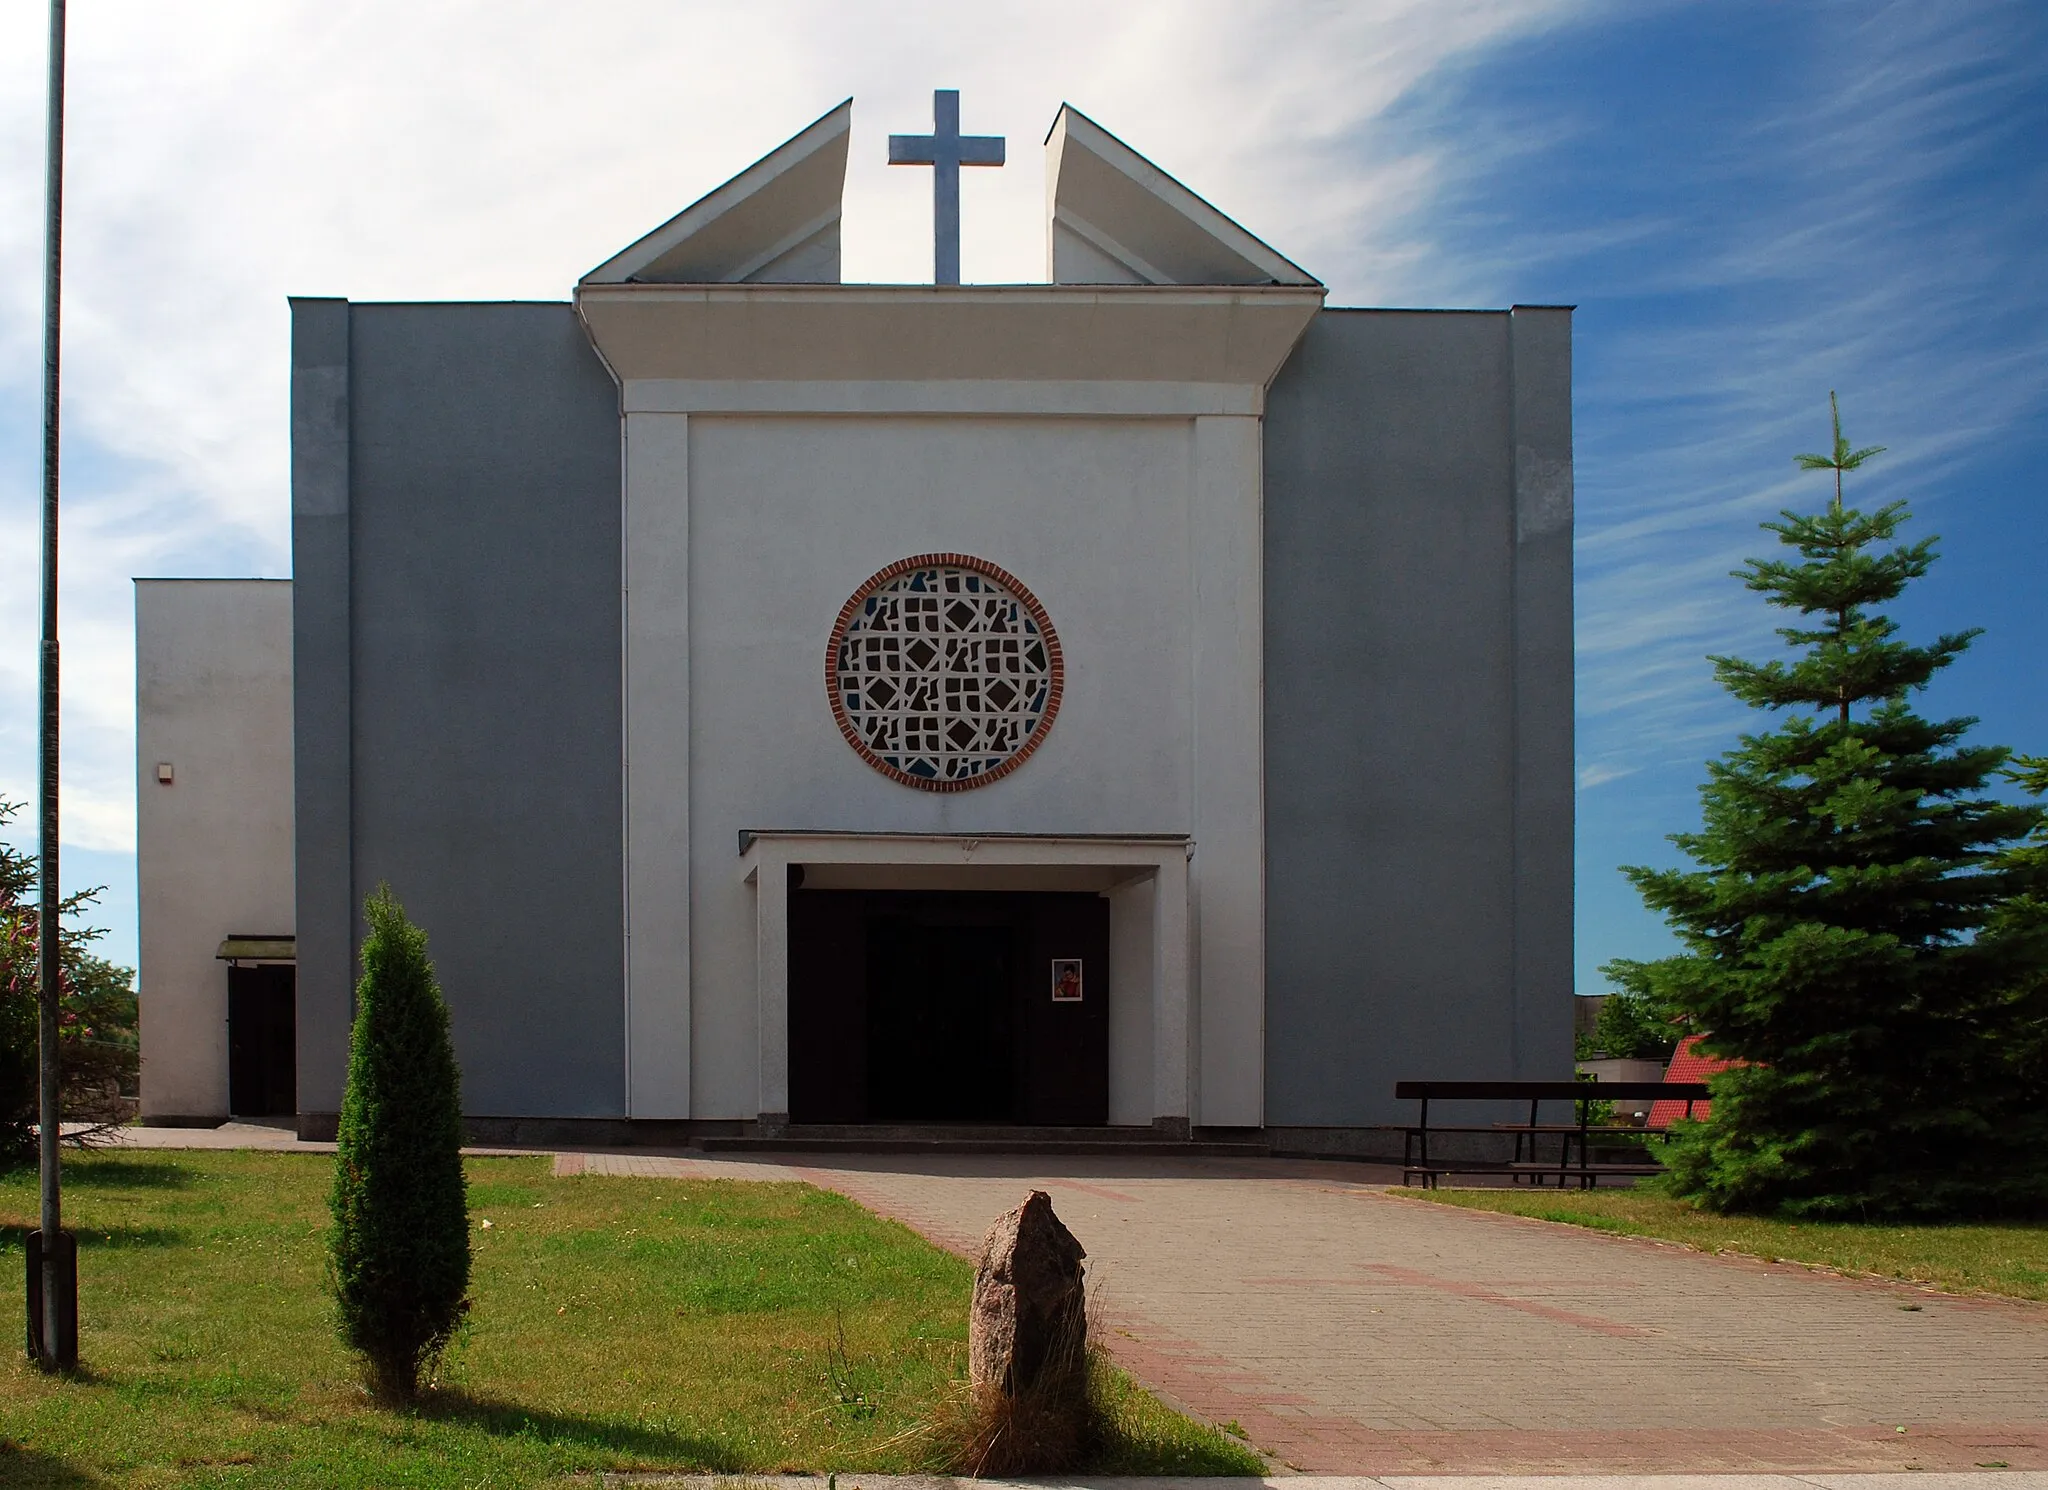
point(776, 222)
point(243, 947)
point(1113, 217)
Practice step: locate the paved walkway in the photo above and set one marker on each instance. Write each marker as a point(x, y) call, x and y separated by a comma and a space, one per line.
point(1353, 1332)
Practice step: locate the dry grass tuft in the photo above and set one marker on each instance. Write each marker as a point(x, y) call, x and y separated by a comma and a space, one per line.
point(989, 1434)
point(1090, 1422)
point(1080, 1414)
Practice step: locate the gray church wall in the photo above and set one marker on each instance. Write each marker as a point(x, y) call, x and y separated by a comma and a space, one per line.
point(324, 886)
point(1540, 340)
point(1418, 709)
point(458, 559)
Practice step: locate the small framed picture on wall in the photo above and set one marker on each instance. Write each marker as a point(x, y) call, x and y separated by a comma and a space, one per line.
point(1066, 980)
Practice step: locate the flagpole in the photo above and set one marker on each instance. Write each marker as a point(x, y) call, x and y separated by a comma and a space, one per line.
point(55, 1334)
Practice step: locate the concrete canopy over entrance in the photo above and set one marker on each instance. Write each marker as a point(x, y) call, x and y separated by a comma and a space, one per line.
point(1143, 876)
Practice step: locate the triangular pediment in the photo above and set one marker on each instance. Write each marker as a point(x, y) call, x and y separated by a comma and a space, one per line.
point(1113, 217)
point(776, 222)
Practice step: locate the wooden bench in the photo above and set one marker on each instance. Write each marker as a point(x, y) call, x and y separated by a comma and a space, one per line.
point(1527, 1163)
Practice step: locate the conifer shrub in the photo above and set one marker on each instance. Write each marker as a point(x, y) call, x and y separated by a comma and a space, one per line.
point(400, 1244)
point(1865, 928)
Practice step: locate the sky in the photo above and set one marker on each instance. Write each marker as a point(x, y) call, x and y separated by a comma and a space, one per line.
point(1750, 203)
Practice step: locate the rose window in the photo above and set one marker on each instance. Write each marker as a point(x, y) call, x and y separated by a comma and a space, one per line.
point(944, 672)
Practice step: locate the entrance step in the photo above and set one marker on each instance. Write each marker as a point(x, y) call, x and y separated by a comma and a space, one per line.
point(935, 1138)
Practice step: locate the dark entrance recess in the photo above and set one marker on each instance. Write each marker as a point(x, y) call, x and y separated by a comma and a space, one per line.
point(936, 1007)
point(263, 1047)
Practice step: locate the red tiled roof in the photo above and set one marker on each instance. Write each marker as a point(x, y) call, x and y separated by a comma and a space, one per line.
point(1687, 1064)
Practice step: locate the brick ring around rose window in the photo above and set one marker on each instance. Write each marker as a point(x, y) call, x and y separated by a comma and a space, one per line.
point(944, 672)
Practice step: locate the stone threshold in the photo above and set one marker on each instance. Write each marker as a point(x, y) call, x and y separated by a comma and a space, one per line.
point(937, 1138)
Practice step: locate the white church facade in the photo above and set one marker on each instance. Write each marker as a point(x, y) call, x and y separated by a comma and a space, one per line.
point(1135, 702)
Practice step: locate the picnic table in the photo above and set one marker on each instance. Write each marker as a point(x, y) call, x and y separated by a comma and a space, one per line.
point(1527, 1163)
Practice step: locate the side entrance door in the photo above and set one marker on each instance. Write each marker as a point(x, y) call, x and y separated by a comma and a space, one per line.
point(263, 1040)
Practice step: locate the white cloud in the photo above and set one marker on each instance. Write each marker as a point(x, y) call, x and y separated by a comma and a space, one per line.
point(1851, 239)
point(225, 156)
point(1592, 776)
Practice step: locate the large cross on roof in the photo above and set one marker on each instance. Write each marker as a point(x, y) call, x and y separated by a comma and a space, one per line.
point(945, 150)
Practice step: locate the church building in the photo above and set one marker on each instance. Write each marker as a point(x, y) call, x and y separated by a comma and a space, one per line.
point(1133, 707)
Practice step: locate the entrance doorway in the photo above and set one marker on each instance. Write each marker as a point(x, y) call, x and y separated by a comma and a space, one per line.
point(263, 1043)
point(948, 1007)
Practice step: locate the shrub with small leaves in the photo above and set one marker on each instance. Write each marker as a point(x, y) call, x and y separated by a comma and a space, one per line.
point(97, 1020)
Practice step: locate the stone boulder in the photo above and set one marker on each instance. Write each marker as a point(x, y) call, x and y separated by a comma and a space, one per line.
point(1027, 1330)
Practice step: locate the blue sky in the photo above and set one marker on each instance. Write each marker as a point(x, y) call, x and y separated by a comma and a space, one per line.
point(1751, 203)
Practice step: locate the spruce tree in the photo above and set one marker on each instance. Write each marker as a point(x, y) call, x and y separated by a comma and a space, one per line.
point(2024, 920)
point(400, 1245)
point(1857, 933)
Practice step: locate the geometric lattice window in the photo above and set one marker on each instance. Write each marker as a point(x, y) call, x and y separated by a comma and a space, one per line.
point(944, 672)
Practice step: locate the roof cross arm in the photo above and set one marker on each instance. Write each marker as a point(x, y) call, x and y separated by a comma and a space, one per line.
point(945, 150)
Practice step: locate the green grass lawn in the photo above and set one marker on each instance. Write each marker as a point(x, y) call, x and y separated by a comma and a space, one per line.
point(2010, 1259)
point(617, 1324)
